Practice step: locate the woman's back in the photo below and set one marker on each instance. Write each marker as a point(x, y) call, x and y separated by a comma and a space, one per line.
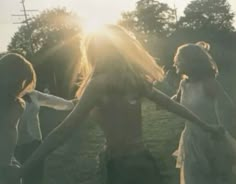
point(212, 157)
point(121, 122)
point(195, 97)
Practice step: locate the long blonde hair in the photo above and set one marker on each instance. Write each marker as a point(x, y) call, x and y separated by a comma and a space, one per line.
point(114, 50)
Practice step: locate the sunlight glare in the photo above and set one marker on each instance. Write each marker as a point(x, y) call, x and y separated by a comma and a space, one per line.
point(93, 25)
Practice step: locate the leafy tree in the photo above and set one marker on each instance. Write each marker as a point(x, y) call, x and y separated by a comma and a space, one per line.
point(208, 14)
point(211, 21)
point(150, 17)
point(152, 22)
point(154, 17)
point(53, 48)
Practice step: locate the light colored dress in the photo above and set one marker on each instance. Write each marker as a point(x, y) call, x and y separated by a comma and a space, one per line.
point(202, 158)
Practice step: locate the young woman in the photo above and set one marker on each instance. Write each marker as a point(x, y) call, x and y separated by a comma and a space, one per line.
point(201, 158)
point(30, 135)
point(17, 77)
point(118, 73)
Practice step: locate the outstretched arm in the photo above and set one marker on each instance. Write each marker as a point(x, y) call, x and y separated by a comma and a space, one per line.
point(163, 100)
point(52, 101)
point(92, 94)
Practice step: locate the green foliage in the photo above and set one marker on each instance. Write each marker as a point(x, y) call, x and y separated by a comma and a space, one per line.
point(204, 20)
point(211, 21)
point(55, 36)
point(208, 14)
point(150, 17)
point(52, 43)
point(152, 22)
point(154, 17)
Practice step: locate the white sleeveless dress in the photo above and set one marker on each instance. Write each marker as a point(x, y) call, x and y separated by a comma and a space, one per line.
point(202, 158)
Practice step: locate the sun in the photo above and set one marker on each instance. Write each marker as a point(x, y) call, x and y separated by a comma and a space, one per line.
point(92, 26)
point(95, 24)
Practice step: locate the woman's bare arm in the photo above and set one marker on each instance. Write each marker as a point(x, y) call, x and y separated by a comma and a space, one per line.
point(163, 100)
point(93, 92)
point(55, 102)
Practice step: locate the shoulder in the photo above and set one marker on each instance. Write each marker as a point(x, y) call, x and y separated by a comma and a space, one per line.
point(93, 87)
point(35, 93)
point(183, 83)
point(37, 96)
point(177, 97)
point(98, 83)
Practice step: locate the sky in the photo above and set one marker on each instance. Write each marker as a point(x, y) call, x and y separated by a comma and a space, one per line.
point(100, 11)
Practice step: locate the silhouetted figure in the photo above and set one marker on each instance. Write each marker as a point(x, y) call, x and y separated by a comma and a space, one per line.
point(30, 136)
point(17, 77)
point(118, 73)
point(202, 159)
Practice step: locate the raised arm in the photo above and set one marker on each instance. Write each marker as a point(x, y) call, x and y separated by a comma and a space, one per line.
point(52, 101)
point(163, 100)
point(92, 94)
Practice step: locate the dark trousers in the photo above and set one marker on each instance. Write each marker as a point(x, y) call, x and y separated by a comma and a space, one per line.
point(22, 153)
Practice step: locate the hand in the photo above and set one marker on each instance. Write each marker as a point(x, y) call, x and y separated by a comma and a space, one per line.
point(174, 97)
point(75, 101)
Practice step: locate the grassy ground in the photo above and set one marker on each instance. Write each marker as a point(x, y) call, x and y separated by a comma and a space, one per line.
point(75, 162)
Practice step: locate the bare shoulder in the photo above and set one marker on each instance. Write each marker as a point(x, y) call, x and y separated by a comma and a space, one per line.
point(183, 83)
point(178, 96)
point(89, 96)
point(97, 84)
point(95, 88)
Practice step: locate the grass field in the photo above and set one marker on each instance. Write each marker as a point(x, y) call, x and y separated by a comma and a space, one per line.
point(75, 162)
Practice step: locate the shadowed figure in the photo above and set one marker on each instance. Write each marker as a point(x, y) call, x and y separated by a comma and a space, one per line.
point(200, 157)
point(30, 135)
point(17, 77)
point(117, 74)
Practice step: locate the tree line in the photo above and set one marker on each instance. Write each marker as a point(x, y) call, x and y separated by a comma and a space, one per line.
point(55, 37)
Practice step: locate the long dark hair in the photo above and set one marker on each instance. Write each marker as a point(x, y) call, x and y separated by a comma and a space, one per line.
point(196, 60)
point(17, 76)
